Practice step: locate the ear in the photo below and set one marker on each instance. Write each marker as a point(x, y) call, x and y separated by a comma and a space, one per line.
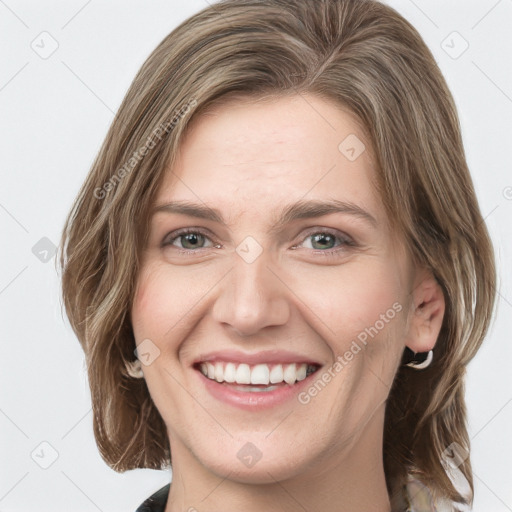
point(426, 316)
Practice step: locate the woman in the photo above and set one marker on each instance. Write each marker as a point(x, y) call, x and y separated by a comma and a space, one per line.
point(278, 269)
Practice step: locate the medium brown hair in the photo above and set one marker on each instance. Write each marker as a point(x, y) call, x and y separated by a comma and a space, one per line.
point(362, 56)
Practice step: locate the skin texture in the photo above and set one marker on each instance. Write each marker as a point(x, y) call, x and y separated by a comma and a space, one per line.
point(249, 159)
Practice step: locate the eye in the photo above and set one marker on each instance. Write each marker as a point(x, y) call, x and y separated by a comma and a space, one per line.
point(189, 240)
point(326, 241)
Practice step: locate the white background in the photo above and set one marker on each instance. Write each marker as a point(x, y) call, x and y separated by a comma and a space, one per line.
point(54, 115)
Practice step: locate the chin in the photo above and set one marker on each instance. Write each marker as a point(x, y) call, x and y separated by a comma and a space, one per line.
point(249, 465)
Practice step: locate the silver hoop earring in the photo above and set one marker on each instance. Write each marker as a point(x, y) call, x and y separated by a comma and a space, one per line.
point(134, 369)
point(419, 363)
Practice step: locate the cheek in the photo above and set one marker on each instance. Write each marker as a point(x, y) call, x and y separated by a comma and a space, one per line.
point(166, 299)
point(156, 306)
point(147, 305)
point(355, 297)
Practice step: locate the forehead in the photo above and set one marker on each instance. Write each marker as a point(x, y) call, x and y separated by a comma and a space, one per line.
point(257, 155)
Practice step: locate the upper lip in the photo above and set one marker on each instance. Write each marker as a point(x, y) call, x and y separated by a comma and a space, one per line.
point(264, 356)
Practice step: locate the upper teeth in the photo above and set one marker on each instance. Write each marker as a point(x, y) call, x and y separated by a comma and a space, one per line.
point(259, 374)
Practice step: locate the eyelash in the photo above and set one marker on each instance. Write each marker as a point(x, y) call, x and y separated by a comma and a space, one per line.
point(345, 241)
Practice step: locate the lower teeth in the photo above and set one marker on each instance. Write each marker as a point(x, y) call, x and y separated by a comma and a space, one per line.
point(257, 389)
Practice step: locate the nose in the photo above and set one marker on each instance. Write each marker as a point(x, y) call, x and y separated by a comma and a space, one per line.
point(252, 296)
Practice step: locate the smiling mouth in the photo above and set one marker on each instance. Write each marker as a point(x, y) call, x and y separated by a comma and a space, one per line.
point(258, 377)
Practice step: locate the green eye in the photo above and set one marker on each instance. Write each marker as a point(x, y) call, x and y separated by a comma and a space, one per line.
point(323, 240)
point(192, 240)
point(188, 240)
point(326, 241)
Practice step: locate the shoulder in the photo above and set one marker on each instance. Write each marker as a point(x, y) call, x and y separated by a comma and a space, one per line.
point(156, 502)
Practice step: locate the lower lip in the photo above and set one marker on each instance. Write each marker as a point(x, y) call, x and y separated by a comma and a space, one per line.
point(253, 400)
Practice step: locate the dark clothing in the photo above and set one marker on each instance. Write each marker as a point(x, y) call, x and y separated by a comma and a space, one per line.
point(156, 502)
point(412, 499)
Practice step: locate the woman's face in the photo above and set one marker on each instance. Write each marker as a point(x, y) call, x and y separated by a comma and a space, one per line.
point(269, 256)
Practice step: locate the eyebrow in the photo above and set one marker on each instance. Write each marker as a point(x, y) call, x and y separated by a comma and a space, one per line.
point(300, 210)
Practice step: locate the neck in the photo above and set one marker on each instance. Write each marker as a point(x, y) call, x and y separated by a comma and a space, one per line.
point(342, 479)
